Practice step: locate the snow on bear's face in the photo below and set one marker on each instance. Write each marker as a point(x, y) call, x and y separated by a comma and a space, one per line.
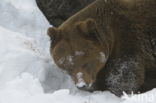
point(77, 50)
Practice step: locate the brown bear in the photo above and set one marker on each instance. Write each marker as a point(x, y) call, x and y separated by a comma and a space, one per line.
point(107, 46)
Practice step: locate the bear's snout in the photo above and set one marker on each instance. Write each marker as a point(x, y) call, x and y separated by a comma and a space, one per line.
point(82, 84)
point(86, 88)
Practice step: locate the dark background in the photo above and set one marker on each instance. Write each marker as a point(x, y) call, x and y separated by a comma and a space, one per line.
point(57, 11)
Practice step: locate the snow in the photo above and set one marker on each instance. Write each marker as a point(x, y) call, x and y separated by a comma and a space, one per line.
point(61, 60)
point(80, 82)
point(79, 53)
point(115, 80)
point(27, 72)
point(70, 60)
point(102, 57)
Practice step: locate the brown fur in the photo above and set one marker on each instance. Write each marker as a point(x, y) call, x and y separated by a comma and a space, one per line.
point(117, 28)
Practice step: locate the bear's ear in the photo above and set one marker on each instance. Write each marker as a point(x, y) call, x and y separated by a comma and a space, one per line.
point(52, 32)
point(88, 28)
point(54, 35)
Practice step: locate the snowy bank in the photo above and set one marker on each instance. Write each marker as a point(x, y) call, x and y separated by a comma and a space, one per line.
point(27, 72)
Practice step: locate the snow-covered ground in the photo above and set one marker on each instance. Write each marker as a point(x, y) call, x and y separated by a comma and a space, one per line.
point(27, 72)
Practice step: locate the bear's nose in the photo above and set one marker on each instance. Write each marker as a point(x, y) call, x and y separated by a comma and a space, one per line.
point(82, 87)
point(86, 88)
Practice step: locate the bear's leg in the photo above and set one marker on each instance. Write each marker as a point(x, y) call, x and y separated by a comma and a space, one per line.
point(149, 84)
point(120, 75)
point(150, 80)
point(150, 75)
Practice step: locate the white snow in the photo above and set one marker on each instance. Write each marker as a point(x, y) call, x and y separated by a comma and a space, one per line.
point(79, 53)
point(27, 72)
point(102, 57)
point(70, 60)
point(61, 60)
point(80, 82)
point(67, 59)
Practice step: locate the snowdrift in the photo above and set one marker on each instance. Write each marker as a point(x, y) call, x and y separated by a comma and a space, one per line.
point(27, 72)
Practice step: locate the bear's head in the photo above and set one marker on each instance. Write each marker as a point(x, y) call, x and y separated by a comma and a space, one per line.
point(77, 50)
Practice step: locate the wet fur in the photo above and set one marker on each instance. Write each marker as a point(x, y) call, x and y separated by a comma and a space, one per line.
point(124, 30)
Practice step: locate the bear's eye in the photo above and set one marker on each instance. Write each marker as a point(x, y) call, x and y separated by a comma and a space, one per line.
point(61, 50)
point(93, 36)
